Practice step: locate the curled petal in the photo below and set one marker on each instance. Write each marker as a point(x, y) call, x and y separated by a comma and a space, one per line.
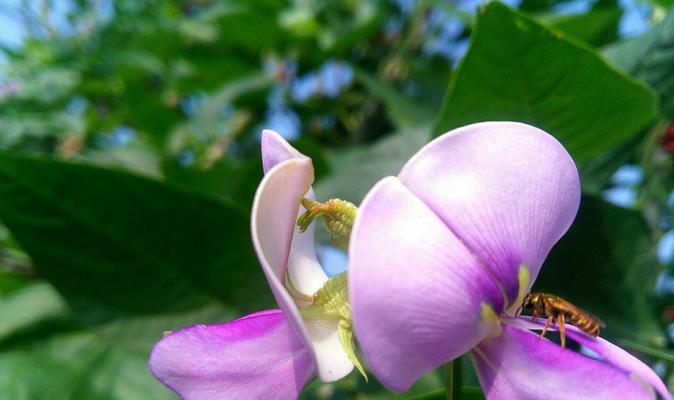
point(508, 190)
point(257, 356)
point(275, 150)
point(279, 246)
point(273, 217)
point(304, 268)
point(520, 365)
point(418, 296)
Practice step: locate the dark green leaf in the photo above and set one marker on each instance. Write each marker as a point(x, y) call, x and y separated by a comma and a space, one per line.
point(596, 172)
point(597, 27)
point(125, 243)
point(518, 70)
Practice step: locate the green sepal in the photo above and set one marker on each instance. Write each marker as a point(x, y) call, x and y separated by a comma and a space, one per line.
point(345, 331)
point(332, 302)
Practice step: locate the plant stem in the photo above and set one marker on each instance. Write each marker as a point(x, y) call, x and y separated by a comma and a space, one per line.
point(449, 380)
point(453, 379)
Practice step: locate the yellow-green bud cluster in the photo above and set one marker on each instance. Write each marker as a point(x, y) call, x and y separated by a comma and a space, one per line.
point(338, 217)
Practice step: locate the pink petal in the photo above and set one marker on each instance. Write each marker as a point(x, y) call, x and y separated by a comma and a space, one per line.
point(609, 352)
point(279, 246)
point(304, 268)
point(415, 290)
point(508, 190)
point(520, 365)
point(257, 356)
point(275, 149)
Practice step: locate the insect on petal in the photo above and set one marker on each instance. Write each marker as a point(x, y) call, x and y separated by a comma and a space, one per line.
point(520, 365)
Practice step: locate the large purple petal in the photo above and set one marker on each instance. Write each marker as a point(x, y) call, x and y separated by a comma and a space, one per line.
point(508, 190)
point(257, 356)
point(609, 352)
point(280, 246)
point(419, 297)
point(520, 365)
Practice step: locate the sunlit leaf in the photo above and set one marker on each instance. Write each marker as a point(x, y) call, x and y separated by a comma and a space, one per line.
point(516, 69)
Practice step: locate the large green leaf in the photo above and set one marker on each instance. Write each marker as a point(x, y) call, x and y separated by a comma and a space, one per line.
point(597, 27)
point(32, 310)
point(46, 355)
point(516, 69)
point(603, 265)
point(126, 243)
point(650, 57)
point(77, 366)
point(40, 361)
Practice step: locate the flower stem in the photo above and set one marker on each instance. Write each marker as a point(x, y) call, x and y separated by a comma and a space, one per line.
point(453, 379)
point(449, 380)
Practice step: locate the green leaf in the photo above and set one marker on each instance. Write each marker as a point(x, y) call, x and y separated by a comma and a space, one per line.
point(356, 170)
point(650, 58)
point(603, 265)
point(404, 112)
point(31, 310)
point(139, 333)
point(127, 244)
point(10, 281)
point(77, 366)
point(597, 27)
point(40, 361)
point(596, 172)
point(516, 69)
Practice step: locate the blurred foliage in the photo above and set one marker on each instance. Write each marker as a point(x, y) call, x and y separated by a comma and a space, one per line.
point(129, 135)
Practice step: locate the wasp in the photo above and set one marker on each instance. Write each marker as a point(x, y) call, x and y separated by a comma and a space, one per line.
point(556, 309)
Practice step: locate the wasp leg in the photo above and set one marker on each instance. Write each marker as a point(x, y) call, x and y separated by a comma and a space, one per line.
point(534, 316)
point(547, 325)
point(560, 324)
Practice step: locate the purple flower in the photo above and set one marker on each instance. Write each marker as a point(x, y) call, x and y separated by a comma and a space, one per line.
point(269, 354)
point(442, 254)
